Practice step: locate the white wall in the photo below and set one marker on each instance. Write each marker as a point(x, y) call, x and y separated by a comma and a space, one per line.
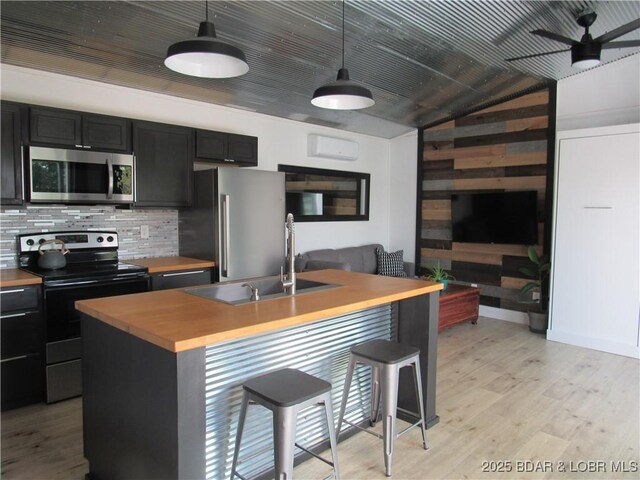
point(603, 96)
point(281, 141)
point(403, 154)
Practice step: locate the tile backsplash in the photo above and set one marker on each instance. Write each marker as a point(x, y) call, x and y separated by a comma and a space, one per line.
point(163, 227)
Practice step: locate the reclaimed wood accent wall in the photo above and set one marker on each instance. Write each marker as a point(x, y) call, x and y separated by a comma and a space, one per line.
point(500, 148)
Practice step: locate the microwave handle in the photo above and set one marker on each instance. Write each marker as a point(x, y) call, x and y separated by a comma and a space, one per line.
point(110, 172)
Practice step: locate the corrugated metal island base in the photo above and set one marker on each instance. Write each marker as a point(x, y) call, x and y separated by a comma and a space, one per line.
point(150, 412)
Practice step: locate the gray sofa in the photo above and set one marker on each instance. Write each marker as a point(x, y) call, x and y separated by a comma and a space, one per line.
point(356, 259)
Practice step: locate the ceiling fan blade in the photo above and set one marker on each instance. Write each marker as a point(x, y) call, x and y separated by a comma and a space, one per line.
point(554, 36)
point(618, 32)
point(533, 55)
point(623, 44)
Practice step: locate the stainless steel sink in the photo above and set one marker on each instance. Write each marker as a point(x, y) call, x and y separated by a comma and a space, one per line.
point(238, 293)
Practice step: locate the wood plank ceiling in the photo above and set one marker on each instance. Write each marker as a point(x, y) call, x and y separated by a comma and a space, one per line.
point(423, 61)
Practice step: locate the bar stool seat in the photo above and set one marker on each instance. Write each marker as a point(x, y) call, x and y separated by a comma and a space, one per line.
point(385, 359)
point(285, 392)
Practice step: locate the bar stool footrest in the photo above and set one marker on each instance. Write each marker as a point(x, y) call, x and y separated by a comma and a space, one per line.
point(363, 429)
point(314, 455)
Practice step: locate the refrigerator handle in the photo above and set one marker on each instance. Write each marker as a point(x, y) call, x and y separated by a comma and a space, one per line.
point(225, 235)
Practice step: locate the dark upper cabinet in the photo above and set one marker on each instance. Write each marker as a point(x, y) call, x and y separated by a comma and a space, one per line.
point(211, 145)
point(109, 133)
point(51, 126)
point(11, 162)
point(243, 149)
point(226, 147)
point(164, 164)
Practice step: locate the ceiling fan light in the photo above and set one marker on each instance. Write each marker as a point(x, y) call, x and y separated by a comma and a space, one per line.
point(585, 55)
point(206, 56)
point(343, 94)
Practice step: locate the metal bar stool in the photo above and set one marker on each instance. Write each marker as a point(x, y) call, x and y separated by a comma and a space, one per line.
point(286, 392)
point(385, 359)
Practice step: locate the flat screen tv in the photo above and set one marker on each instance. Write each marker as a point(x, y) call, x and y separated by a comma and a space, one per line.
point(505, 217)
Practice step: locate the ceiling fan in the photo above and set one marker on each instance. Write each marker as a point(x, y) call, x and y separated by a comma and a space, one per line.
point(586, 52)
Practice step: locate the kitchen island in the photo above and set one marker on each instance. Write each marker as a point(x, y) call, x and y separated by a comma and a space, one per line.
point(163, 370)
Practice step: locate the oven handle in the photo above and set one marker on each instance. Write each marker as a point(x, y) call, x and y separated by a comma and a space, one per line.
point(110, 172)
point(123, 278)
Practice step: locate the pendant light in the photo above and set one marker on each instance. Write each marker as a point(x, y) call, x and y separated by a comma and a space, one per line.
point(343, 94)
point(206, 56)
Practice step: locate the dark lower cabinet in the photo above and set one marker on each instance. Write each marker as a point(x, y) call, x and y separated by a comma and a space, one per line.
point(22, 336)
point(11, 160)
point(164, 164)
point(180, 279)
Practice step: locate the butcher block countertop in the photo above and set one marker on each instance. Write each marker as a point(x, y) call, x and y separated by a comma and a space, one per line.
point(14, 277)
point(178, 321)
point(171, 264)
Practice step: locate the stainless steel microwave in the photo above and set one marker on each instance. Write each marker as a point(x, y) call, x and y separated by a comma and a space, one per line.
point(77, 176)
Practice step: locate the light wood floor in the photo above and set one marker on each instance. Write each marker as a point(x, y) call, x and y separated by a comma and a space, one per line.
point(505, 396)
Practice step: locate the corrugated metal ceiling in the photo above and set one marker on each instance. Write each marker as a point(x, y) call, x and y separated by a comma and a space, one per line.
point(422, 60)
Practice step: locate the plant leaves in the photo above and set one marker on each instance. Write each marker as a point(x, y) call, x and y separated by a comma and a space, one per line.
point(529, 287)
point(533, 255)
point(527, 271)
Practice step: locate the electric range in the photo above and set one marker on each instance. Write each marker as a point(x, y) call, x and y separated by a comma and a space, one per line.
point(92, 270)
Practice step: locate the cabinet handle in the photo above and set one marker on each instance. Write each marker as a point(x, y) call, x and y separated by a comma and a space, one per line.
point(13, 315)
point(182, 273)
point(13, 358)
point(12, 291)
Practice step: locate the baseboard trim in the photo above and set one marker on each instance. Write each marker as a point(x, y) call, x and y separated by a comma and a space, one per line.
point(504, 314)
point(556, 335)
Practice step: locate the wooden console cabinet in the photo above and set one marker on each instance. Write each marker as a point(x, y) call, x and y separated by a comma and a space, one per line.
point(458, 304)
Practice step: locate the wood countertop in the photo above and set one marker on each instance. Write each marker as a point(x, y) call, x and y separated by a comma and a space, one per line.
point(171, 264)
point(14, 277)
point(179, 321)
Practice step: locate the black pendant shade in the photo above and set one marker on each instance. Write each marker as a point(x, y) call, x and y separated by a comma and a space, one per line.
point(343, 94)
point(206, 56)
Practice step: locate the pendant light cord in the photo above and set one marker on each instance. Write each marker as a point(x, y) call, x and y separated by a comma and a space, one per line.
point(206, 10)
point(342, 33)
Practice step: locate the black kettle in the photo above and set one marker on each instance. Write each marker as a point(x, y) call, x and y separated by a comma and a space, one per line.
point(52, 259)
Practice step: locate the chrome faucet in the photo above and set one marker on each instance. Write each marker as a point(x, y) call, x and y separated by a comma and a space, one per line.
point(289, 280)
point(255, 295)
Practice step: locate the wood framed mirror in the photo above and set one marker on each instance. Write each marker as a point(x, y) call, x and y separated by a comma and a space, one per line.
point(319, 195)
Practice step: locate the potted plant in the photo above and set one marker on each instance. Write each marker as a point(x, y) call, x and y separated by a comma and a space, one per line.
point(438, 274)
point(539, 271)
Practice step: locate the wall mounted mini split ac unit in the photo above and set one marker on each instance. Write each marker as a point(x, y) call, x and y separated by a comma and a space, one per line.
point(331, 147)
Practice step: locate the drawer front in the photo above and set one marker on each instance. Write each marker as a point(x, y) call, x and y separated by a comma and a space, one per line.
point(19, 298)
point(191, 278)
point(64, 380)
point(21, 333)
point(64, 350)
point(22, 382)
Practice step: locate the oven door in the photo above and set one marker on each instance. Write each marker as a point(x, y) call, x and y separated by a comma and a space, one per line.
point(79, 176)
point(63, 348)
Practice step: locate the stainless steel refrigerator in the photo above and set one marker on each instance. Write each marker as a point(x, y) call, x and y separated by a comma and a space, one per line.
point(237, 220)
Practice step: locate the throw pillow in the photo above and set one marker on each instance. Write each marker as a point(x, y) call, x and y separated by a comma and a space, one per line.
point(390, 264)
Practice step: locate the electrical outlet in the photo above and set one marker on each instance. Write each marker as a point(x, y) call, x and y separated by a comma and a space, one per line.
point(535, 295)
point(144, 231)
